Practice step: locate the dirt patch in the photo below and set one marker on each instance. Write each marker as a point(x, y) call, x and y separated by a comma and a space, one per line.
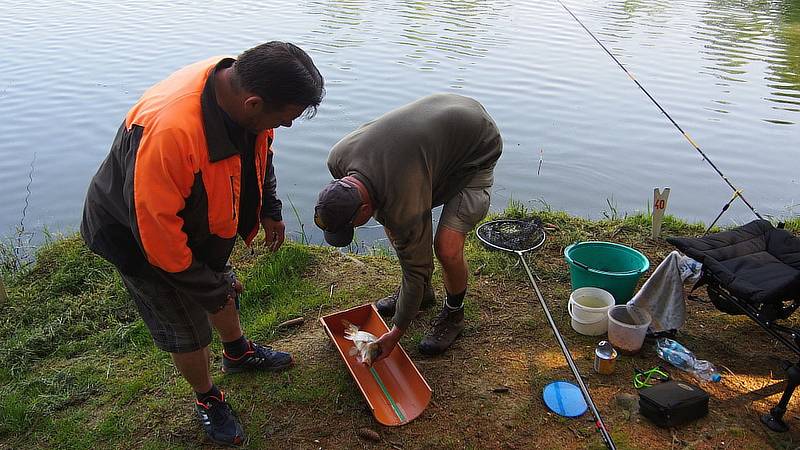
point(487, 388)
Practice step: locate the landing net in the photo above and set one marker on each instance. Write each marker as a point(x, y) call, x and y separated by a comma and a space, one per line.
point(512, 235)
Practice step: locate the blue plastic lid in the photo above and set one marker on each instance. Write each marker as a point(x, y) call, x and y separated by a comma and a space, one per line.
point(564, 399)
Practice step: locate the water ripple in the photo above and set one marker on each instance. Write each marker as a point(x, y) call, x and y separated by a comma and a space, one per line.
point(727, 71)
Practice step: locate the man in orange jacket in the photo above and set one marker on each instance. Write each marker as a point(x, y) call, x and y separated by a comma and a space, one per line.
point(189, 169)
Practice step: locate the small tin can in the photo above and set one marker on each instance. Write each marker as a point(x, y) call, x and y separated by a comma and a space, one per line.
point(605, 358)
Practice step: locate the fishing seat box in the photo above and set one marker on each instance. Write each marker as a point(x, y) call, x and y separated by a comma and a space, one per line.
point(673, 403)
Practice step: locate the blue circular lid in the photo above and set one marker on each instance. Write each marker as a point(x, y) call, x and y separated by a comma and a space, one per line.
point(564, 399)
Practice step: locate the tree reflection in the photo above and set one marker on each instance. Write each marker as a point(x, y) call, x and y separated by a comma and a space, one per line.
point(738, 34)
point(430, 31)
point(456, 29)
point(788, 71)
point(341, 24)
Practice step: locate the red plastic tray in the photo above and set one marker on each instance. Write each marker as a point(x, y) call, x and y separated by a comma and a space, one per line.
point(393, 387)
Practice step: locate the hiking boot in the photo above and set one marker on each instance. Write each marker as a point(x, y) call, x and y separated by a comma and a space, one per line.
point(258, 357)
point(219, 421)
point(386, 306)
point(445, 328)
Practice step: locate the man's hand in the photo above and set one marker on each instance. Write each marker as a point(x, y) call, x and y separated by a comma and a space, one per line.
point(387, 342)
point(230, 277)
point(273, 233)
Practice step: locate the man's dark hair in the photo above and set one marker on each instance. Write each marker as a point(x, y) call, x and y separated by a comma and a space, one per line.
point(281, 74)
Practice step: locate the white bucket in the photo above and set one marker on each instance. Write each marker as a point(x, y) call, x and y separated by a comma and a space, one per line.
point(627, 327)
point(588, 307)
point(590, 328)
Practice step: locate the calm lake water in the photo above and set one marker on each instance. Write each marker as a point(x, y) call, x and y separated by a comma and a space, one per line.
point(727, 71)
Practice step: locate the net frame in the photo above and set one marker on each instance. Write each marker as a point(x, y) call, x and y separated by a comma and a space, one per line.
point(493, 232)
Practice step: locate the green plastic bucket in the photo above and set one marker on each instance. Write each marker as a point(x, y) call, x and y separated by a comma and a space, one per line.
point(605, 265)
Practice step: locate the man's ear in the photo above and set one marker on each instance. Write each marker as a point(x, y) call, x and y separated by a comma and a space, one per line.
point(364, 213)
point(253, 103)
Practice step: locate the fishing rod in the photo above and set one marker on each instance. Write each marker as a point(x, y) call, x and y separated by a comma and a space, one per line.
point(724, 208)
point(737, 192)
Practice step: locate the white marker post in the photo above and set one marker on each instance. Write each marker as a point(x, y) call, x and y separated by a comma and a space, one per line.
point(659, 205)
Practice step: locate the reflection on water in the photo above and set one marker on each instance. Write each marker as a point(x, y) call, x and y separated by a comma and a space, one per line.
point(727, 70)
point(421, 33)
point(341, 26)
point(454, 30)
point(787, 91)
point(739, 42)
point(740, 35)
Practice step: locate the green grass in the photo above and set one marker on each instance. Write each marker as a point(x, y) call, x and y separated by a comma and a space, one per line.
point(78, 368)
point(571, 229)
point(57, 306)
point(77, 364)
point(793, 224)
point(276, 278)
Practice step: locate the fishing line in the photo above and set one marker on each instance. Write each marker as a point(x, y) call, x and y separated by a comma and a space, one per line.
point(738, 192)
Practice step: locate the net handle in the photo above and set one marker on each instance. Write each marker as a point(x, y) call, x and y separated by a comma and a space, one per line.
point(601, 427)
point(599, 424)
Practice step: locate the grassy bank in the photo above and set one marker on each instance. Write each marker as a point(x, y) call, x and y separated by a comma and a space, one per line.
point(78, 368)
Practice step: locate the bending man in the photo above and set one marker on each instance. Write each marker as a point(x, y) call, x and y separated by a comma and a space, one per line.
point(189, 169)
point(438, 150)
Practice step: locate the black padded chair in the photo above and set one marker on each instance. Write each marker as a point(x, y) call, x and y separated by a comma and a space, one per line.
point(754, 270)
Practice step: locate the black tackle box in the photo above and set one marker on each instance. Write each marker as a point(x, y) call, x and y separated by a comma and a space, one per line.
point(673, 403)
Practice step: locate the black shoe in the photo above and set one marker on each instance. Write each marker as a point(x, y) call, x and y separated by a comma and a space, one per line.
point(219, 421)
point(258, 357)
point(445, 328)
point(386, 306)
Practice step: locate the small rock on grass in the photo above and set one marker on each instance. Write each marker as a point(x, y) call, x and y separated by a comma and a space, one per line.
point(369, 435)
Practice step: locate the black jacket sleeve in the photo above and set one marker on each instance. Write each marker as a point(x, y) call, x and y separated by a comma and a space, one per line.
point(271, 205)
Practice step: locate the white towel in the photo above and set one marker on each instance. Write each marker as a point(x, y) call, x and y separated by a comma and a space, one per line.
point(662, 294)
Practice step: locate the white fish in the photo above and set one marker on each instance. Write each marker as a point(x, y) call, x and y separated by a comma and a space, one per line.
point(363, 343)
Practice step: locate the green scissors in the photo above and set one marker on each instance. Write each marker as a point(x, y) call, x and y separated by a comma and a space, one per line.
point(647, 378)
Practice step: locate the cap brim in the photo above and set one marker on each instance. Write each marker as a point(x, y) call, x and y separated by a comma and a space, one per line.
point(341, 238)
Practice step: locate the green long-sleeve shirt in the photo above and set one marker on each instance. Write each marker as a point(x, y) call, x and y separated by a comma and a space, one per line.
point(413, 159)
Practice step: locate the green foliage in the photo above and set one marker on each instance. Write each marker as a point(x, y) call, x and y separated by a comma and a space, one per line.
point(793, 224)
point(566, 229)
point(70, 340)
point(302, 385)
point(68, 296)
point(274, 290)
point(303, 238)
point(25, 399)
point(78, 368)
point(14, 417)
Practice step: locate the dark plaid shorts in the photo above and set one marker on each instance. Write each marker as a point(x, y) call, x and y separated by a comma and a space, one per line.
point(176, 323)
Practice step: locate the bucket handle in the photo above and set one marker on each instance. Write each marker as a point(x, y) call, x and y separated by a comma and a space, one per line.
point(589, 269)
point(570, 310)
point(572, 315)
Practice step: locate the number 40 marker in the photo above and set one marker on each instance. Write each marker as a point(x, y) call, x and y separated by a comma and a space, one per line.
point(659, 205)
